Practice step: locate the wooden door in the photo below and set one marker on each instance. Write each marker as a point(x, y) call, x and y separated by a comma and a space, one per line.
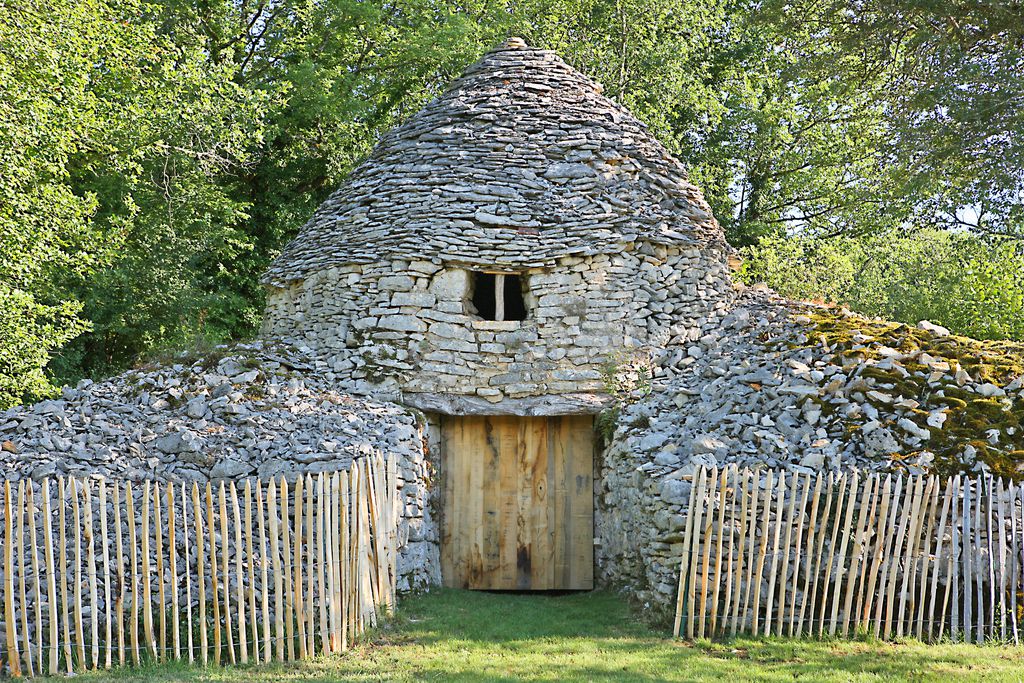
point(518, 502)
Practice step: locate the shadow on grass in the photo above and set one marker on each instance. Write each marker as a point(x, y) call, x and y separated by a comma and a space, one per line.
point(452, 635)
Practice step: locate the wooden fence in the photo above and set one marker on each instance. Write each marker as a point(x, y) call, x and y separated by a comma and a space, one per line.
point(771, 552)
point(97, 573)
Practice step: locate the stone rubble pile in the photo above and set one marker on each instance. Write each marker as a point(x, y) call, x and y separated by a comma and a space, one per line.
point(778, 384)
point(252, 410)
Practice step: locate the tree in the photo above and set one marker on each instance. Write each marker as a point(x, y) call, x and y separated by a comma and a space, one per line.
point(974, 285)
point(951, 77)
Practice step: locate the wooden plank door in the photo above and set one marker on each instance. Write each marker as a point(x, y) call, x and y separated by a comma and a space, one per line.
point(518, 502)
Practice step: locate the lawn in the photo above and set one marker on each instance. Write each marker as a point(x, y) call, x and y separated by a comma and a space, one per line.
point(462, 636)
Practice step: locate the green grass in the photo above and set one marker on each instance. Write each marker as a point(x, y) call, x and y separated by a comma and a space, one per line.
point(462, 636)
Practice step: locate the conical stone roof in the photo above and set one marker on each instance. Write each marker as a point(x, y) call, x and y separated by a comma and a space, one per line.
point(521, 161)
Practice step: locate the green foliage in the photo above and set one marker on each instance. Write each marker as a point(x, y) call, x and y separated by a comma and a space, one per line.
point(626, 375)
point(31, 331)
point(971, 285)
point(155, 155)
point(949, 73)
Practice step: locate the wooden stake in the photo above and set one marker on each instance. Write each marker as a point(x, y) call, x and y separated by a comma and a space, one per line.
point(310, 573)
point(851, 574)
point(979, 556)
point(697, 513)
point(264, 585)
point(707, 543)
point(147, 602)
point(819, 553)
point(321, 555)
point(225, 567)
point(19, 541)
point(773, 572)
point(172, 562)
point(820, 557)
point(810, 557)
point(79, 627)
point(13, 657)
point(833, 539)
point(348, 581)
point(684, 561)
point(289, 603)
point(755, 492)
point(926, 550)
point(805, 491)
point(863, 520)
point(953, 569)
point(1014, 562)
point(939, 539)
point(51, 582)
point(211, 526)
point(36, 583)
point(908, 560)
point(189, 643)
point(1001, 532)
point(331, 558)
point(121, 588)
point(784, 577)
point(161, 650)
point(94, 620)
point(905, 597)
point(740, 545)
point(909, 498)
point(243, 647)
point(197, 510)
point(873, 555)
point(300, 616)
point(129, 501)
point(105, 558)
point(64, 601)
point(722, 493)
point(759, 572)
point(251, 558)
point(730, 573)
point(884, 554)
point(968, 564)
point(278, 574)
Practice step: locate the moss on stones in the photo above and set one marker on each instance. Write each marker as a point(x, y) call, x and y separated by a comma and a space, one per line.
point(990, 426)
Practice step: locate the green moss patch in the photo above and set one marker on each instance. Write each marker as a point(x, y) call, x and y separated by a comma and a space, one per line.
point(999, 362)
point(992, 426)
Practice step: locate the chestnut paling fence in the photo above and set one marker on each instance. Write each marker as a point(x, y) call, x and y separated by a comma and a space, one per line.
point(99, 573)
point(775, 552)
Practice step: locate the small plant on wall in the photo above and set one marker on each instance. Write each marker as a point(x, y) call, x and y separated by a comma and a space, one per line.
point(627, 377)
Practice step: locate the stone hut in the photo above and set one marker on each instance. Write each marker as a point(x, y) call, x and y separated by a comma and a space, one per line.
point(518, 257)
point(495, 251)
point(496, 262)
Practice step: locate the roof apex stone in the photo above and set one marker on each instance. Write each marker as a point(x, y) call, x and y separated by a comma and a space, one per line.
point(520, 162)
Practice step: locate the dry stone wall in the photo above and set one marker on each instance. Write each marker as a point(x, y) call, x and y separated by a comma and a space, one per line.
point(776, 384)
point(407, 326)
point(245, 412)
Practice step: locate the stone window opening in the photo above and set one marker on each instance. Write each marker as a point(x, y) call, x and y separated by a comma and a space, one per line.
point(499, 296)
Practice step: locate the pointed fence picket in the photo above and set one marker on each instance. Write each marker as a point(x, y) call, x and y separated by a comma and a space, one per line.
point(136, 554)
point(778, 552)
